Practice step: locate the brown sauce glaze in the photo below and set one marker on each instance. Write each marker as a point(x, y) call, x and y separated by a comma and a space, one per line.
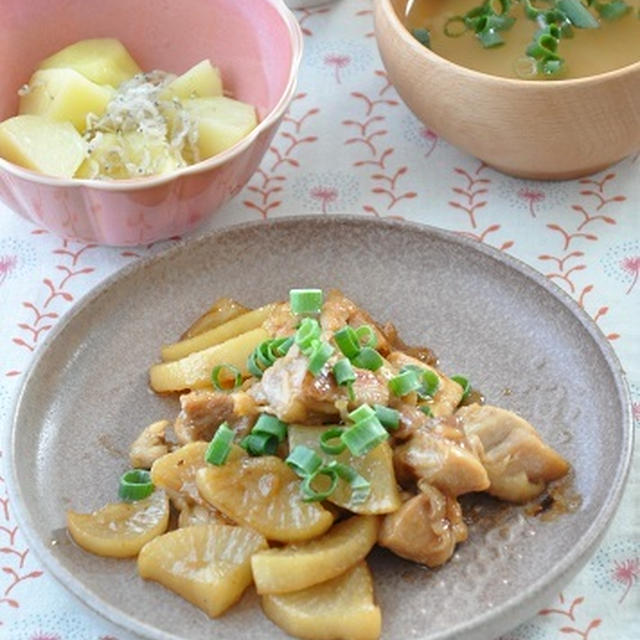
point(559, 498)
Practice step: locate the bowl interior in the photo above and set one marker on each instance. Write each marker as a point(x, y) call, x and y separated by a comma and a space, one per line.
point(87, 398)
point(249, 41)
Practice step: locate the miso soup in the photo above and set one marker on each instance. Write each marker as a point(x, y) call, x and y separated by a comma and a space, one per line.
point(530, 39)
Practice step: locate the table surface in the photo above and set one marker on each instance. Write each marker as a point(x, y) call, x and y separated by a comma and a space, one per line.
point(350, 145)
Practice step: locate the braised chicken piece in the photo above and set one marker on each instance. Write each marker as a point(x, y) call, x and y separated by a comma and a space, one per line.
point(436, 460)
point(281, 322)
point(424, 529)
point(295, 395)
point(449, 393)
point(339, 311)
point(518, 462)
point(411, 419)
point(287, 390)
point(203, 411)
point(150, 445)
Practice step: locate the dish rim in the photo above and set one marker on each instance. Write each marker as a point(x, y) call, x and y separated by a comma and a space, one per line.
point(296, 40)
point(561, 571)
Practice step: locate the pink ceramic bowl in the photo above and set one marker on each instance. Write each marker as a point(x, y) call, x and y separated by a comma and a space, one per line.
point(257, 45)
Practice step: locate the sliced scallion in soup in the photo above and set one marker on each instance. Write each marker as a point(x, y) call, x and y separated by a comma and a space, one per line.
point(530, 39)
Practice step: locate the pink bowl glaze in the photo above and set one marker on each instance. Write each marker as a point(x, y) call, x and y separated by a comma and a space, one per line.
point(257, 45)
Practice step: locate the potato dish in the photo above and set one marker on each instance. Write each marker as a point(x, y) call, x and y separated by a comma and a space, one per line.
point(89, 112)
point(306, 434)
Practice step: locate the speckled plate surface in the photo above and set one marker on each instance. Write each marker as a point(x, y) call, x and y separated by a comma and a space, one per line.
point(486, 315)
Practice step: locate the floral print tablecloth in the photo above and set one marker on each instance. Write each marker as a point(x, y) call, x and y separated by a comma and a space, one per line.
point(350, 145)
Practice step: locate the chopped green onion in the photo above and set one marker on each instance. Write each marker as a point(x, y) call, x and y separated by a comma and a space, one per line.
point(360, 486)
point(270, 425)
point(218, 450)
point(429, 380)
point(430, 383)
point(266, 353)
point(260, 444)
point(544, 47)
point(304, 461)
point(308, 331)
point(485, 21)
point(313, 495)
point(551, 31)
point(404, 383)
point(363, 412)
point(280, 346)
point(304, 301)
point(455, 27)
point(490, 38)
point(368, 358)
point(543, 50)
point(423, 37)
point(389, 418)
point(526, 67)
point(366, 331)
point(465, 384)
point(565, 28)
point(613, 10)
point(347, 341)
point(533, 12)
point(498, 23)
point(318, 356)
point(252, 364)
point(135, 485)
point(218, 382)
point(426, 409)
point(578, 14)
point(329, 435)
point(364, 436)
point(343, 372)
point(551, 67)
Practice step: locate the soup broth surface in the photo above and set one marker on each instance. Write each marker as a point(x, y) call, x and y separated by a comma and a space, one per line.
point(613, 45)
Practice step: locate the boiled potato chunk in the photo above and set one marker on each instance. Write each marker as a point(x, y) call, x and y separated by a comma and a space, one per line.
point(376, 466)
point(33, 142)
point(194, 370)
point(64, 95)
point(176, 471)
point(264, 494)
point(298, 566)
point(340, 608)
point(128, 155)
point(208, 565)
point(222, 122)
point(121, 529)
point(101, 60)
point(234, 327)
point(201, 81)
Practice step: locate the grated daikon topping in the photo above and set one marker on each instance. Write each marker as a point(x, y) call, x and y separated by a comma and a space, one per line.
point(145, 130)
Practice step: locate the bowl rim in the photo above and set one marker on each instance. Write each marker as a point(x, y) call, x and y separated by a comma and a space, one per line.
point(386, 7)
point(296, 41)
point(560, 573)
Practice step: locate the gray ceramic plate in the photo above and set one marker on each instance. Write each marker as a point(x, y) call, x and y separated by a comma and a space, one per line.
point(485, 314)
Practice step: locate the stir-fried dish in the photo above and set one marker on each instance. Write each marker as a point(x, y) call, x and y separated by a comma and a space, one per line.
point(307, 433)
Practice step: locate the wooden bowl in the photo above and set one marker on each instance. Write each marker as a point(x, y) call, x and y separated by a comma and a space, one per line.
point(550, 130)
